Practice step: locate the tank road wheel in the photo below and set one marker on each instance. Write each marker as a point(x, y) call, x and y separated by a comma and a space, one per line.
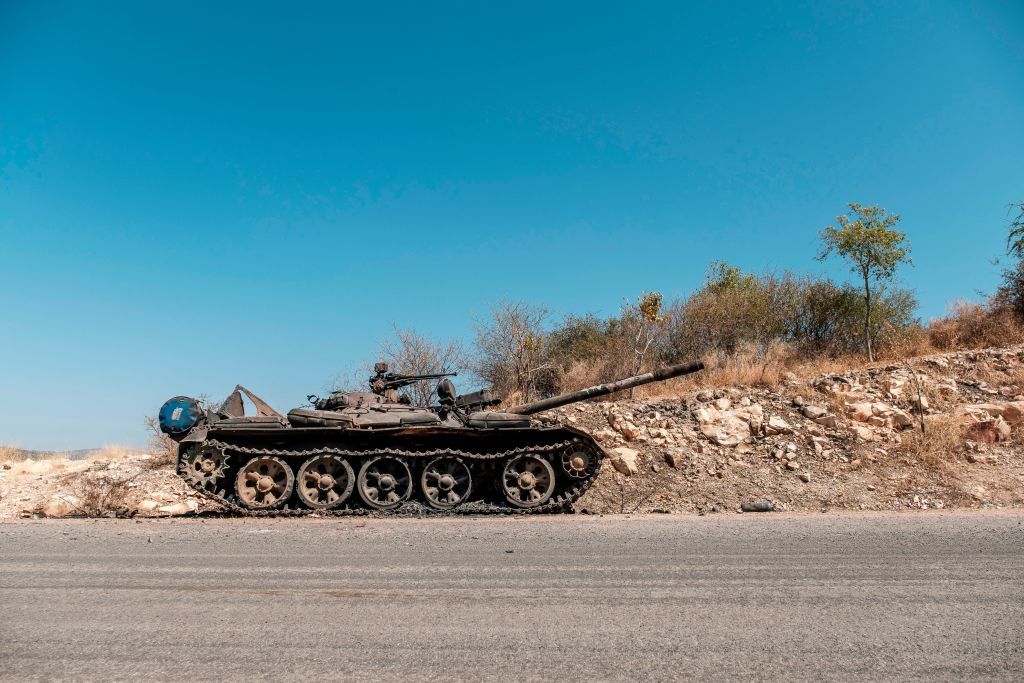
point(579, 462)
point(528, 481)
point(204, 467)
point(325, 482)
point(384, 482)
point(264, 483)
point(446, 482)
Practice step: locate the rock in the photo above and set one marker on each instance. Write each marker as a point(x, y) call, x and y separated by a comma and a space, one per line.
point(675, 459)
point(624, 460)
point(758, 506)
point(900, 420)
point(723, 427)
point(7, 465)
point(861, 412)
point(827, 421)
point(881, 409)
point(182, 508)
point(149, 505)
point(705, 396)
point(61, 506)
point(776, 425)
point(623, 426)
point(723, 404)
point(814, 412)
point(803, 476)
point(989, 431)
point(792, 465)
point(798, 401)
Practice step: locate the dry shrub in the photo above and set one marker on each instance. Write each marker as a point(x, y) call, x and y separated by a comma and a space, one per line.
point(937, 446)
point(12, 454)
point(973, 326)
point(102, 495)
point(162, 448)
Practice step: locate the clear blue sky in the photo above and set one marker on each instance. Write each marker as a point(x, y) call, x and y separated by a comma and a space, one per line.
point(194, 197)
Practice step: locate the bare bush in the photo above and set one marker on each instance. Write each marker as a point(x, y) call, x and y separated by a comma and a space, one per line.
point(162, 448)
point(511, 350)
point(411, 353)
point(101, 495)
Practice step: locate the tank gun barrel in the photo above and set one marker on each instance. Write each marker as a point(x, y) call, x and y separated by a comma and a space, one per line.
point(661, 374)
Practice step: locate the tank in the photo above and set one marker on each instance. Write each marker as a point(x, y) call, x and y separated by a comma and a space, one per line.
point(374, 450)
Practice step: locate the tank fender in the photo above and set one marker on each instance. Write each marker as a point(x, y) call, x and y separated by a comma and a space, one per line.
point(196, 435)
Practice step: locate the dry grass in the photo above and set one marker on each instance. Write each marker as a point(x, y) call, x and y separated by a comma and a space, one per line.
point(938, 445)
point(12, 454)
point(975, 326)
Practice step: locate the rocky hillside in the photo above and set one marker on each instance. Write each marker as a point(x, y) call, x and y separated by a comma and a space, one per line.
point(843, 441)
point(849, 441)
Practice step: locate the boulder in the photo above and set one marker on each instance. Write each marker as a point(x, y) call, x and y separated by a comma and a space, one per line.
point(723, 404)
point(624, 460)
point(61, 506)
point(827, 421)
point(864, 433)
point(182, 508)
point(725, 427)
point(776, 425)
point(989, 431)
point(861, 412)
point(900, 420)
point(675, 459)
point(813, 412)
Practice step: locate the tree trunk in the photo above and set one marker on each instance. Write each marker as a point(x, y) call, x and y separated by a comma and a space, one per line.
point(867, 318)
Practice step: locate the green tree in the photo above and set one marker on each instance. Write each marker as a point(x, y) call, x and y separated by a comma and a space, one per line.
point(866, 238)
point(1011, 290)
point(1015, 240)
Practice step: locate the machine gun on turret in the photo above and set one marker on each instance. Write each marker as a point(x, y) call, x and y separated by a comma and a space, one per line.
point(383, 381)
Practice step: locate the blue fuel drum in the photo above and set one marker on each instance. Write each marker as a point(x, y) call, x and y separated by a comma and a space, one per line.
point(179, 414)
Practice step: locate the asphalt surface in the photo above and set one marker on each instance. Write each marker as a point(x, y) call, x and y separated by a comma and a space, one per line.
point(864, 597)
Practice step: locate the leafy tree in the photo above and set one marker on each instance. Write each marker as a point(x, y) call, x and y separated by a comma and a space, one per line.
point(1015, 240)
point(1011, 291)
point(866, 238)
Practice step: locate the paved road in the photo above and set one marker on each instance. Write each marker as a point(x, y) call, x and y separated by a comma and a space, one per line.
point(842, 597)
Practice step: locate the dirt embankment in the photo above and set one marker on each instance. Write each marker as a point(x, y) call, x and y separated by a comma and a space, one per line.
point(842, 441)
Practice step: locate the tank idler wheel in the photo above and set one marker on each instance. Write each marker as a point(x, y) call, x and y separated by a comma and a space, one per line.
point(579, 462)
point(446, 482)
point(384, 482)
point(264, 483)
point(528, 481)
point(204, 466)
point(325, 482)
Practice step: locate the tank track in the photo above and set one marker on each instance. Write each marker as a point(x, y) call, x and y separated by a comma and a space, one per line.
point(560, 500)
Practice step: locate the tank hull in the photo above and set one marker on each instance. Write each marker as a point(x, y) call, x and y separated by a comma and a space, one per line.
point(529, 469)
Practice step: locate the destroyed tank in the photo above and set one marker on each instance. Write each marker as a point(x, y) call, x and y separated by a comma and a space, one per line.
point(374, 450)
